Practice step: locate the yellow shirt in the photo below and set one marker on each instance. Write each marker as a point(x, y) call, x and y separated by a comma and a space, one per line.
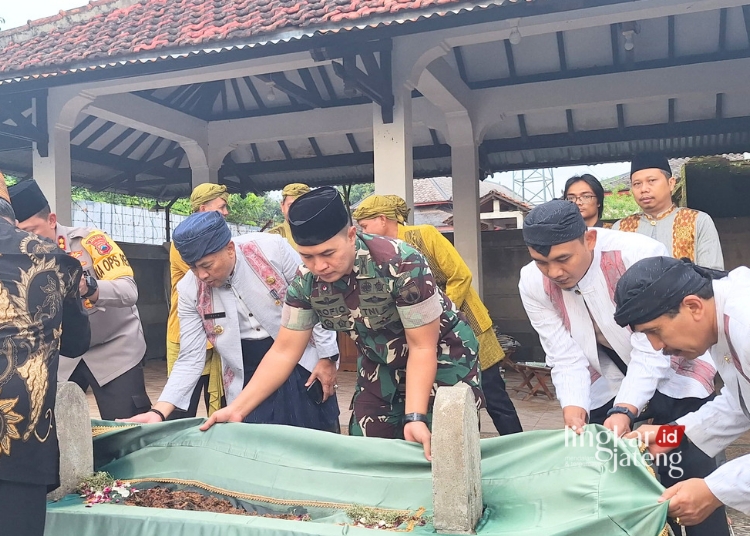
point(177, 270)
point(284, 230)
point(454, 277)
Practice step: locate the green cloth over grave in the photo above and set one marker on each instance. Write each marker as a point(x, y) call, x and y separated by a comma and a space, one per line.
point(533, 483)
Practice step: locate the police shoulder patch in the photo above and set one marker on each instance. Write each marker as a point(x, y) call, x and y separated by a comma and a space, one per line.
point(100, 242)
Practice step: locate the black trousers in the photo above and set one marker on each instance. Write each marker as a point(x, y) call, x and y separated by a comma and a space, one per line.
point(694, 463)
point(499, 405)
point(22, 508)
point(121, 398)
point(200, 388)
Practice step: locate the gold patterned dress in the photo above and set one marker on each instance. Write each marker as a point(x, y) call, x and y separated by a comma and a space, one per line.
point(40, 313)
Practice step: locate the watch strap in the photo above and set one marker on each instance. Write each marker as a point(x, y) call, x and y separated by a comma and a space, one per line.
point(621, 410)
point(416, 417)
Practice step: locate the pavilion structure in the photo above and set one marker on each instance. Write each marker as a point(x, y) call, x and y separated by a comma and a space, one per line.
point(152, 97)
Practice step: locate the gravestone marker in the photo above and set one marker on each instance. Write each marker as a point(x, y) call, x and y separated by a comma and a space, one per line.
point(456, 461)
point(74, 435)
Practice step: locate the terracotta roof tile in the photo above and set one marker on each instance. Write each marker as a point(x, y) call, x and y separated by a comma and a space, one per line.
point(105, 30)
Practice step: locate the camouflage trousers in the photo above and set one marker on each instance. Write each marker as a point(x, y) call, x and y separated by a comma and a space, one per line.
point(374, 417)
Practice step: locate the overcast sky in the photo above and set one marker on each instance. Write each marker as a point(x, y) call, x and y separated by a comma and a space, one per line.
point(17, 13)
point(560, 175)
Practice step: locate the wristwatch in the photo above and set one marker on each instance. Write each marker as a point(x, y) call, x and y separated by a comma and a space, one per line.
point(415, 417)
point(622, 410)
point(334, 358)
point(91, 284)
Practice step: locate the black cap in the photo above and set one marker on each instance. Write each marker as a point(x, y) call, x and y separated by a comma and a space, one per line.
point(27, 199)
point(650, 161)
point(317, 216)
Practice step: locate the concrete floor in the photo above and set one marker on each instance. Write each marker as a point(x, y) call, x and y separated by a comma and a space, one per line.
point(537, 413)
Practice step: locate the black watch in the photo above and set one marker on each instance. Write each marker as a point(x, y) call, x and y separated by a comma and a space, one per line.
point(91, 284)
point(624, 411)
point(415, 417)
point(334, 358)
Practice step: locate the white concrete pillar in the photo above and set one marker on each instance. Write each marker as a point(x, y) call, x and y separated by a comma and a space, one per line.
point(466, 222)
point(202, 166)
point(394, 164)
point(204, 174)
point(53, 172)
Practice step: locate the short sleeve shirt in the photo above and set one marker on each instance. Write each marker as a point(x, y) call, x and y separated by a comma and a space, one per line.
point(390, 289)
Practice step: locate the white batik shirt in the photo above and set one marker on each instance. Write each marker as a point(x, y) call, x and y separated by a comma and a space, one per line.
point(564, 320)
point(724, 419)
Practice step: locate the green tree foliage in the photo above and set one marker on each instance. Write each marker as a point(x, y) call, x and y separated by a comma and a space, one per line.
point(618, 206)
point(248, 210)
point(356, 192)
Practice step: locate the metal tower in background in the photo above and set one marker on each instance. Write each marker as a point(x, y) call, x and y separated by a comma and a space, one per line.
point(535, 186)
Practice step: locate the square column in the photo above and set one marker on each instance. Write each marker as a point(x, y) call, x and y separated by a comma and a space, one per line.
point(394, 164)
point(204, 174)
point(52, 173)
point(466, 222)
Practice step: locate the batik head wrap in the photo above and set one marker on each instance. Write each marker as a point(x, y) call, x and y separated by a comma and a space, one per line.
point(555, 222)
point(206, 192)
point(391, 206)
point(653, 286)
point(201, 234)
point(295, 189)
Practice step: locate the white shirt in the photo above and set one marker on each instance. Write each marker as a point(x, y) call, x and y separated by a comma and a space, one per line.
point(250, 328)
point(246, 288)
point(721, 421)
point(564, 320)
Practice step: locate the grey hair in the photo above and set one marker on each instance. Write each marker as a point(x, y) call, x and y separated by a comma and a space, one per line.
point(6, 211)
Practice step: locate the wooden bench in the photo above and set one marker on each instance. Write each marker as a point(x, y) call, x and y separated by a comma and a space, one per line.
point(534, 378)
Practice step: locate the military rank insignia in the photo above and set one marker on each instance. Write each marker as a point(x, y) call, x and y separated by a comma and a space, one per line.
point(61, 242)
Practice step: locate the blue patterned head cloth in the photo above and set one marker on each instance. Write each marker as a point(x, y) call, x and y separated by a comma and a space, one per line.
point(552, 223)
point(201, 234)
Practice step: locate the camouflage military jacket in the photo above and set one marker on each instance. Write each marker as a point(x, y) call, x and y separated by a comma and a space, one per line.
point(390, 289)
point(40, 310)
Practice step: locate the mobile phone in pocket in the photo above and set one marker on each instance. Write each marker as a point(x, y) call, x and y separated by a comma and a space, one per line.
point(315, 391)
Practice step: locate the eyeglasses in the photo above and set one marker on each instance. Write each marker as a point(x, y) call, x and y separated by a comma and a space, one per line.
point(585, 198)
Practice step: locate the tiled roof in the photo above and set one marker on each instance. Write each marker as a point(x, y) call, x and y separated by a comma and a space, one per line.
point(106, 32)
point(431, 216)
point(439, 190)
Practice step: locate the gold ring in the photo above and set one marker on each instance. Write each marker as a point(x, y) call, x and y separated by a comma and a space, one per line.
point(677, 520)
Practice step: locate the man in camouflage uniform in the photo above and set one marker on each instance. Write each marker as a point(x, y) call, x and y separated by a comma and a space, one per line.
point(382, 293)
point(40, 315)
point(112, 366)
point(386, 215)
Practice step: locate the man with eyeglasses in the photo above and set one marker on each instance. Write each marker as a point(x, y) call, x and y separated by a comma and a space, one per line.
point(587, 193)
point(686, 232)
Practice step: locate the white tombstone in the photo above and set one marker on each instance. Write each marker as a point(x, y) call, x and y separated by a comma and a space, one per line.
point(456, 461)
point(73, 425)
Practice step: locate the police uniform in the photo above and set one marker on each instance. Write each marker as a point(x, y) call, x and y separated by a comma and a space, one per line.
point(112, 366)
point(390, 289)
